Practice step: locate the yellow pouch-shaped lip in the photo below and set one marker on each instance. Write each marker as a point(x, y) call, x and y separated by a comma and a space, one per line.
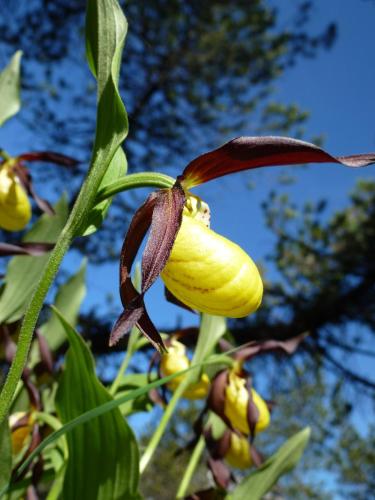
point(210, 273)
point(176, 360)
point(15, 208)
point(238, 454)
point(236, 405)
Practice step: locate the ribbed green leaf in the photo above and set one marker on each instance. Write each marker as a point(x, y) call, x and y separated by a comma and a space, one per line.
point(10, 88)
point(259, 482)
point(103, 458)
point(5, 454)
point(23, 272)
point(117, 169)
point(68, 300)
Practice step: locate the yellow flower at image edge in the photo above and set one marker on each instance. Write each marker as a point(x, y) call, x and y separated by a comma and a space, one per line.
point(236, 405)
point(238, 454)
point(210, 273)
point(176, 360)
point(21, 435)
point(15, 208)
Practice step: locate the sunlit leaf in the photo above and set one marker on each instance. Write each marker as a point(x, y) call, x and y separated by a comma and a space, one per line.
point(117, 169)
point(23, 272)
point(103, 455)
point(10, 88)
point(258, 483)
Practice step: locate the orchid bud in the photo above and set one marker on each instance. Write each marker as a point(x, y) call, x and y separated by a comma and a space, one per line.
point(175, 360)
point(238, 454)
point(21, 425)
point(236, 405)
point(208, 272)
point(15, 208)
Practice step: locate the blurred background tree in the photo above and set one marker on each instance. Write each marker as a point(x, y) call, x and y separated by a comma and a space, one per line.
point(193, 76)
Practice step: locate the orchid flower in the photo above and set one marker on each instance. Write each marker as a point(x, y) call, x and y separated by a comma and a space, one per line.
point(16, 185)
point(202, 270)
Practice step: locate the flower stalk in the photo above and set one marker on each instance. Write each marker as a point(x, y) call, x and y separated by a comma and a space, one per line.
point(191, 467)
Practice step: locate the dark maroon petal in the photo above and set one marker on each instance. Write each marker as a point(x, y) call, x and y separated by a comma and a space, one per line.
point(135, 312)
point(133, 239)
point(288, 346)
point(148, 329)
point(43, 204)
point(26, 181)
point(162, 211)
point(216, 396)
point(220, 472)
point(244, 153)
point(166, 221)
point(34, 249)
point(124, 324)
point(256, 456)
point(49, 157)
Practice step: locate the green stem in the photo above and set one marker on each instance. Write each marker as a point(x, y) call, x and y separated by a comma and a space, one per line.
point(132, 181)
point(158, 434)
point(192, 465)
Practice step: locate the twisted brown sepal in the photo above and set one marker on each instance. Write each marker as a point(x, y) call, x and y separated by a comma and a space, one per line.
point(217, 449)
point(162, 213)
point(25, 178)
point(287, 346)
point(34, 249)
point(49, 157)
point(245, 153)
point(216, 396)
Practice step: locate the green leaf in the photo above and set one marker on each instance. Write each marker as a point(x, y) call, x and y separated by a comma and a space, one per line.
point(106, 29)
point(103, 455)
point(98, 411)
point(5, 454)
point(23, 272)
point(10, 89)
point(68, 300)
point(258, 483)
point(116, 170)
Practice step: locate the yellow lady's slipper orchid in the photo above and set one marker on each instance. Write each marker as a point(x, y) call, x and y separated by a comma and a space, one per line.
point(15, 208)
point(236, 405)
point(238, 454)
point(208, 272)
point(175, 360)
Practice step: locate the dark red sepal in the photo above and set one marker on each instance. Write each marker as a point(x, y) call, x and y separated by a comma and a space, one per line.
point(288, 346)
point(162, 213)
point(166, 221)
point(216, 396)
point(252, 411)
point(26, 181)
point(245, 153)
point(49, 157)
point(220, 472)
point(34, 249)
